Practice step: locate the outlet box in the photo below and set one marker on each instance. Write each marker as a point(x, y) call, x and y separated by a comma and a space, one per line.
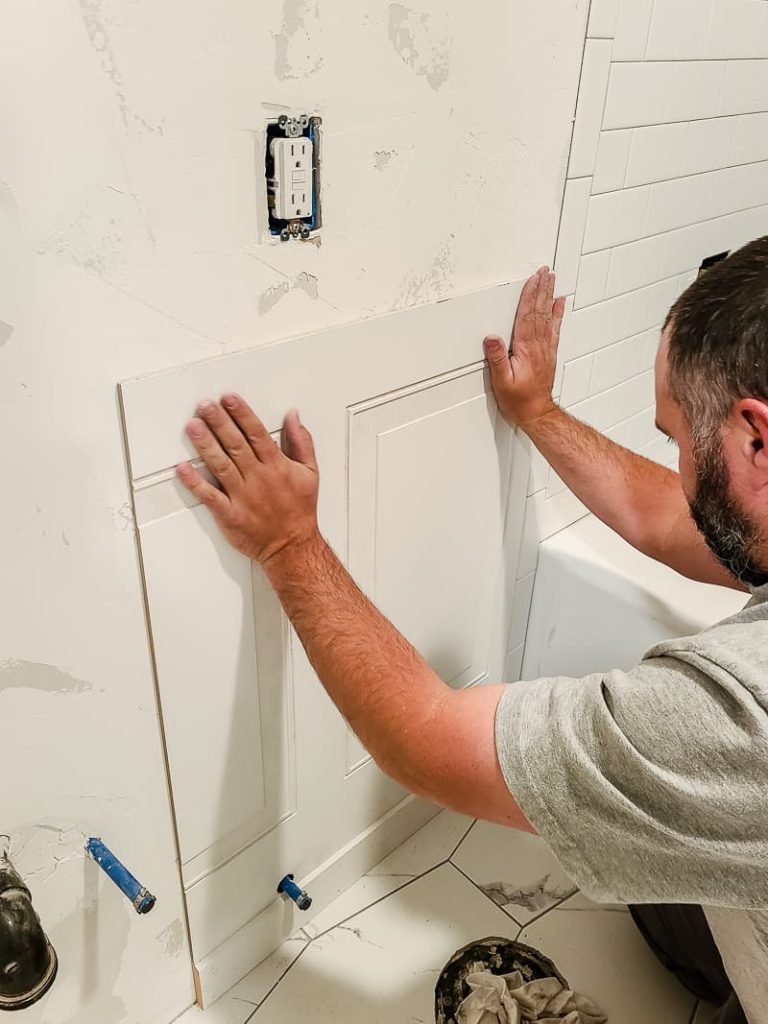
point(292, 168)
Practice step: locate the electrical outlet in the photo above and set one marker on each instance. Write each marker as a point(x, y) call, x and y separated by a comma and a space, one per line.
point(292, 177)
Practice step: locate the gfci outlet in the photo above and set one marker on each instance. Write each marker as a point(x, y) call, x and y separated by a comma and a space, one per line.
point(293, 176)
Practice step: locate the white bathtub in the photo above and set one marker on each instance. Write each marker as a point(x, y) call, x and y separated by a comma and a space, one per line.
point(599, 604)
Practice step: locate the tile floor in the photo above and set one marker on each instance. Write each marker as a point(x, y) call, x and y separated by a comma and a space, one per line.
point(376, 953)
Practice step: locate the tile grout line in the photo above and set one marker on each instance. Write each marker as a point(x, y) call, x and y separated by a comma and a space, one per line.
point(485, 894)
point(460, 843)
point(290, 966)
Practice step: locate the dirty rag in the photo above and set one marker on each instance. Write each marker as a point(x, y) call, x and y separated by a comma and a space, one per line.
point(509, 999)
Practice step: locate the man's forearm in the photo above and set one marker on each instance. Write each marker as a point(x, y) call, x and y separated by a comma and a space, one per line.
point(382, 686)
point(631, 494)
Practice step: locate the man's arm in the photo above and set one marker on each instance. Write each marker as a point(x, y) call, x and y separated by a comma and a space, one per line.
point(436, 742)
point(640, 500)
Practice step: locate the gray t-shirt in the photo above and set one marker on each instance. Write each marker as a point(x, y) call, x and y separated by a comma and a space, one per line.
point(651, 786)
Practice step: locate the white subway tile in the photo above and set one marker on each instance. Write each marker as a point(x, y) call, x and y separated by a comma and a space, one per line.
point(555, 484)
point(739, 29)
point(685, 249)
point(612, 158)
point(595, 326)
point(562, 354)
point(632, 27)
point(746, 87)
point(550, 515)
point(538, 472)
point(748, 225)
point(697, 89)
point(615, 218)
point(656, 154)
point(618, 403)
point(602, 19)
point(679, 30)
point(709, 145)
point(569, 243)
point(513, 665)
point(736, 188)
point(620, 434)
point(638, 94)
point(676, 204)
point(529, 546)
point(651, 347)
point(521, 606)
point(642, 429)
point(635, 265)
point(590, 106)
point(650, 306)
point(751, 141)
point(576, 381)
point(618, 363)
point(593, 278)
point(661, 451)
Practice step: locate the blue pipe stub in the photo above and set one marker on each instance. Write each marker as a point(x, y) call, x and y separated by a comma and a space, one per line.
point(299, 896)
point(142, 899)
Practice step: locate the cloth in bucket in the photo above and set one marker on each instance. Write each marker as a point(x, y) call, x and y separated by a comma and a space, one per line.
point(510, 999)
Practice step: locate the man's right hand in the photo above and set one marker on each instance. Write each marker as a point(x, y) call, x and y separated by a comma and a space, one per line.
point(523, 376)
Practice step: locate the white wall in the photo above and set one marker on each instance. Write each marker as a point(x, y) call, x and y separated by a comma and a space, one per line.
point(669, 165)
point(131, 207)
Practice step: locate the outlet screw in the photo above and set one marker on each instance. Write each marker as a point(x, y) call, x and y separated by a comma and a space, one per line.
point(285, 235)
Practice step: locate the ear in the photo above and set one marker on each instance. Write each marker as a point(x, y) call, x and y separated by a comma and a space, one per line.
point(749, 419)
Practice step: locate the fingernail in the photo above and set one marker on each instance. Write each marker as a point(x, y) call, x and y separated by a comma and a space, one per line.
point(206, 406)
point(229, 401)
point(196, 428)
point(492, 344)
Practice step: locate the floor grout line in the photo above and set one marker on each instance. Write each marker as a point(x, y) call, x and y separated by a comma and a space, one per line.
point(458, 845)
point(290, 967)
point(485, 894)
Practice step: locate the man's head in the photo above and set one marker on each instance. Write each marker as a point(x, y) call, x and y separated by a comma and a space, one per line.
point(712, 399)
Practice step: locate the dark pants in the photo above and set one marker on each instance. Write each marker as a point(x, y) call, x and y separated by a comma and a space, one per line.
point(680, 937)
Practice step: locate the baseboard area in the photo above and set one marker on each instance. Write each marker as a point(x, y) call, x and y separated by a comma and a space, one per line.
point(241, 952)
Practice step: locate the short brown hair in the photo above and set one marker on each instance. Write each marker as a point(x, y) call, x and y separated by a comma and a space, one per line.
point(718, 345)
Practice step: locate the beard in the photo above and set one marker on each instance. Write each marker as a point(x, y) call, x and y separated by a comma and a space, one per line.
point(731, 534)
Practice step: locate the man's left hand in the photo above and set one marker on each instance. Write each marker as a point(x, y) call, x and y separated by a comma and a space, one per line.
point(268, 497)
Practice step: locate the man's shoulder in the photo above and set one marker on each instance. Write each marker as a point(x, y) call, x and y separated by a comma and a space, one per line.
point(738, 645)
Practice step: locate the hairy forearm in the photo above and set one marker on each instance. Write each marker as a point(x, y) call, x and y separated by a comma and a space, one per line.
point(634, 496)
point(384, 689)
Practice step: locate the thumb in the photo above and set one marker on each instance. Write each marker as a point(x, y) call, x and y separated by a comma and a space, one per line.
point(299, 445)
point(498, 360)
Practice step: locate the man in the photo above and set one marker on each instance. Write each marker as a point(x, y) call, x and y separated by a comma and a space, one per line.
point(651, 786)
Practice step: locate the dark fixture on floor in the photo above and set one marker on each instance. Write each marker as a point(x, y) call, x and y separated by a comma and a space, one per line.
point(28, 962)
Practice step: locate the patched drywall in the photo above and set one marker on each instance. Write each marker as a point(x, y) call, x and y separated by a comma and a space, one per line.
point(132, 209)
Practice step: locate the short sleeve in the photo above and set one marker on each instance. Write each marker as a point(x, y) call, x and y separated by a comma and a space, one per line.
point(649, 786)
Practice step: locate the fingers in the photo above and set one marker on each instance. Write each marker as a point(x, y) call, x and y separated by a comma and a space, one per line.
point(498, 361)
point(213, 455)
point(527, 307)
point(251, 427)
point(297, 441)
point(205, 492)
point(229, 435)
point(545, 293)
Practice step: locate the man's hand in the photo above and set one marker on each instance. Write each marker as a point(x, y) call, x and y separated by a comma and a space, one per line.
point(523, 376)
point(268, 498)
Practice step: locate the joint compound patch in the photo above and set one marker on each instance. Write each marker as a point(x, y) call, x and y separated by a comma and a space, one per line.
point(422, 41)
